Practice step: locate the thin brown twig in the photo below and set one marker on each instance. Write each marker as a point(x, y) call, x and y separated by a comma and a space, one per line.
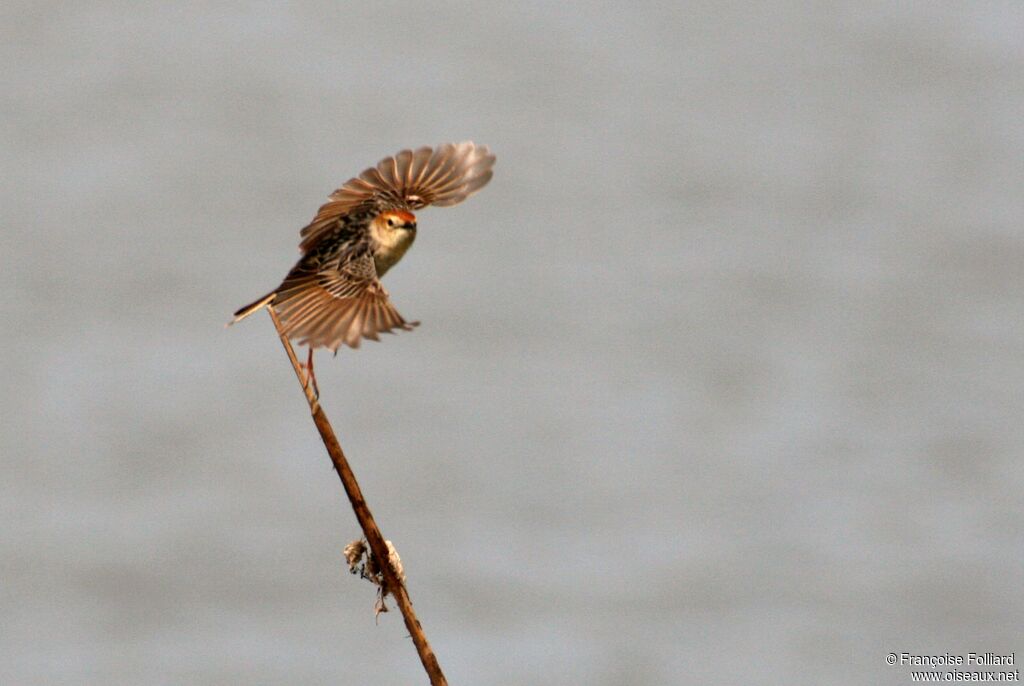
point(393, 583)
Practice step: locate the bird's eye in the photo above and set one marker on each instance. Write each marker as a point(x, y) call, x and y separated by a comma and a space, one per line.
point(391, 222)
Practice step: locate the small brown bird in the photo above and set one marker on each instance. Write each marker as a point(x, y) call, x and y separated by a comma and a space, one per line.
point(333, 295)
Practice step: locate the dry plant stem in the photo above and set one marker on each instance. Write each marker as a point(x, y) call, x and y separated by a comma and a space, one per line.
point(373, 535)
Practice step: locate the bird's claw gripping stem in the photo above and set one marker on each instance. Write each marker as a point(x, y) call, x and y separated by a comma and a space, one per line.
point(310, 377)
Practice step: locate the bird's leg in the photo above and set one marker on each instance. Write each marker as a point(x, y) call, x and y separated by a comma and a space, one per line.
point(310, 376)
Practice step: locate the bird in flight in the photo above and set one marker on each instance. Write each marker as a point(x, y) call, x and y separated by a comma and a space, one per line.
point(333, 295)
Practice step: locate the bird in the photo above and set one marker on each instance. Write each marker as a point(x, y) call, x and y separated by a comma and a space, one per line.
point(333, 296)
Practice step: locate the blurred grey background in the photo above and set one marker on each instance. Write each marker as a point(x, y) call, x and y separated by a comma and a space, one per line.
point(719, 381)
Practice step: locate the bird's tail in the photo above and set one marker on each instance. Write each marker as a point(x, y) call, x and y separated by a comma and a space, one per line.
point(253, 307)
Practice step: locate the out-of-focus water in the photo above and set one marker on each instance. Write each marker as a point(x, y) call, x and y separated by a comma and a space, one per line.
point(720, 380)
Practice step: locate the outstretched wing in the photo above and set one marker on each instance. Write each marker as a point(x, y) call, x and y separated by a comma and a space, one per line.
point(334, 307)
point(441, 176)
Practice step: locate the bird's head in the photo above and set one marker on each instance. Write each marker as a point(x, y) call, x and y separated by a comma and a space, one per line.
point(396, 220)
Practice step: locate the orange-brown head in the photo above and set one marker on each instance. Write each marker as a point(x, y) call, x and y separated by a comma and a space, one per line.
point(398, 219)
point(392, 232)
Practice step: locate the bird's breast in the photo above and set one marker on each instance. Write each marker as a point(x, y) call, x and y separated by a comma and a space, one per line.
point(390, 246)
